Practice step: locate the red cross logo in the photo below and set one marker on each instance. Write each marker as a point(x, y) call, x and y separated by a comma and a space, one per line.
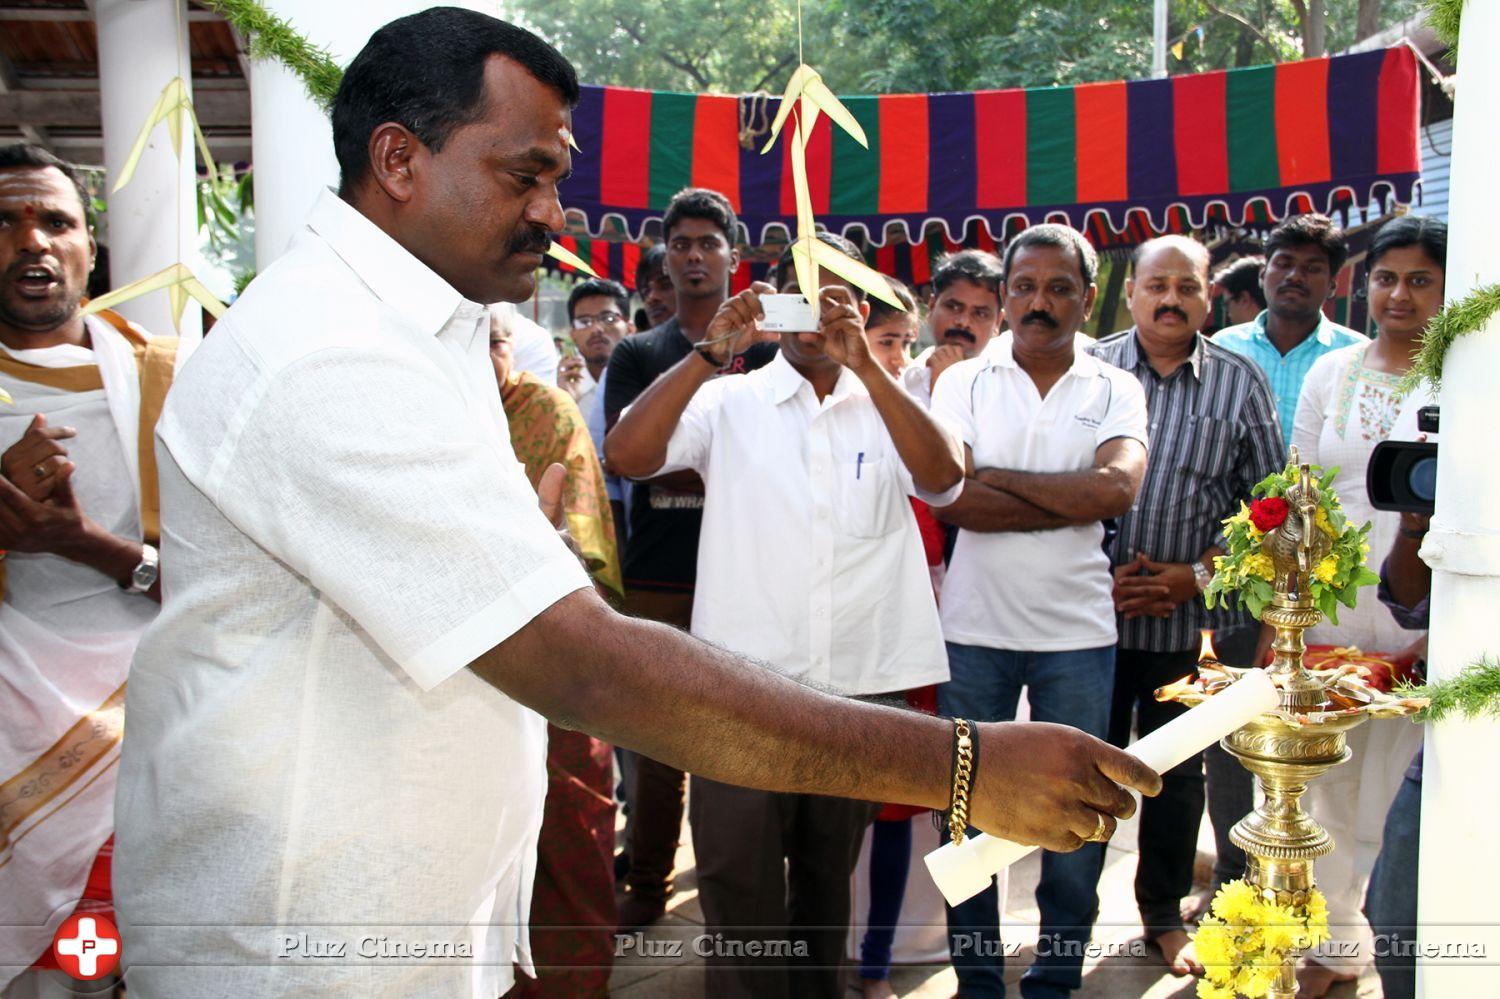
point(87, 947)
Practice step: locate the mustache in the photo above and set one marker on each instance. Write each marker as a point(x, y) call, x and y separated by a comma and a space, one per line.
point(959, 334)
point(530, 239)
point(1171, 310)
point(1038, 316)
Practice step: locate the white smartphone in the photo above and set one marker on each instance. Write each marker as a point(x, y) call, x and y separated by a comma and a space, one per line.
point(788, 314)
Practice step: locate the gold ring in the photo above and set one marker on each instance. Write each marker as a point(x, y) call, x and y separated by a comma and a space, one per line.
point(1099, 835)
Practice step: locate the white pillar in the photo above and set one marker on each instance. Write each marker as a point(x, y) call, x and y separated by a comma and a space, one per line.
point(153, 220)
point(292, 142)
point(1459, 880)
point(1159, 17)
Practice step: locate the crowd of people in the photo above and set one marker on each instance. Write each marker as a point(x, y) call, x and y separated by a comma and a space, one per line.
point(341, 513)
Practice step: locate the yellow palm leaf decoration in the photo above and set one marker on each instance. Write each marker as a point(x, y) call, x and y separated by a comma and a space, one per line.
point(559, 252)
point(172, 105)
point(806, 96)
point(179, 283)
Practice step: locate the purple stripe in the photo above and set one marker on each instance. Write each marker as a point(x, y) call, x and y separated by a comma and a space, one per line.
point(1151, 142)
point(952, 167)
point(617, 262)
point(1353, 99)
point(582, 189)
point(760, 176)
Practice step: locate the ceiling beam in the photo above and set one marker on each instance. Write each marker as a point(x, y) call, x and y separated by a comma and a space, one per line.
point(74, 14)
point(80, 108)
point(10, 82)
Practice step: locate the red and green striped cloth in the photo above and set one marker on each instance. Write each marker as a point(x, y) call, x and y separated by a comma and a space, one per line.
point(1262, 141)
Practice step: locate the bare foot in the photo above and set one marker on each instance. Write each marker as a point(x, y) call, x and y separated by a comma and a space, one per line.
point(1177, 950)
point(876, 988)
point(1314, 979)
point(1195, 907)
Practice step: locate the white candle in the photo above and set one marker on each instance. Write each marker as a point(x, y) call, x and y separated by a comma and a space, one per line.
point(963, 870)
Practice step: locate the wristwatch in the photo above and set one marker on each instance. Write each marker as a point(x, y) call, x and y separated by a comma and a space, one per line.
point(1201, 576)
point(144, 576)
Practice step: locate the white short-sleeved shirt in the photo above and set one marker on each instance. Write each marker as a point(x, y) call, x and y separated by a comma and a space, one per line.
point(308, 767)
point(1036, 591)
point(809, 558)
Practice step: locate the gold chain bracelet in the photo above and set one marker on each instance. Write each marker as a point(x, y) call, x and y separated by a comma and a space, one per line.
point(963, 771)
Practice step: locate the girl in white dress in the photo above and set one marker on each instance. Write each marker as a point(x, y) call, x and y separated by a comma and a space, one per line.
point(1348, 404)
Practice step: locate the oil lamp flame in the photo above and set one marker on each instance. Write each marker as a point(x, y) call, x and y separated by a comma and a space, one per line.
point(1206, 650)
point(1175, 689)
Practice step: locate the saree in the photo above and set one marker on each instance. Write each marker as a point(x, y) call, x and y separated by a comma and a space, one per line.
point(573, 913)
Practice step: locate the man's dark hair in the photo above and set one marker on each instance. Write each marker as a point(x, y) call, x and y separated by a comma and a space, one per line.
point(24, 155)
point(785, 268)
point(1311, 230)
point(975, 266)
point(880, 310)
point(426, 73)
point(1061, 236)
point(599, 286)
point(700, 203)
point(653, 262)
point(1243, 276)
point(1411, 230)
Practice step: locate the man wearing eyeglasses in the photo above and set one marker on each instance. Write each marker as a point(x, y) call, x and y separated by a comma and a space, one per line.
point(597, 311)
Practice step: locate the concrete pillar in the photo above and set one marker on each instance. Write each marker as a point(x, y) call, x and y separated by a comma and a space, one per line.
point(153, 220)
point(1459, 880)
point(291, 138)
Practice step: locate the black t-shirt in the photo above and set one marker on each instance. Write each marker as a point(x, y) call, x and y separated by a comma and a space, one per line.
point(662, 553)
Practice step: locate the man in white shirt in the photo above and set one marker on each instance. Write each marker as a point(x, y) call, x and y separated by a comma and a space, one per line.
point(963, 313)
point(533, 346)
point(78, 571)
point(333, 777)
point(1056, 443)
point(809, 560)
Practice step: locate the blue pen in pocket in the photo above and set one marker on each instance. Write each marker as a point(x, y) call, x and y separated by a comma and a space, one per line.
point(858, 462)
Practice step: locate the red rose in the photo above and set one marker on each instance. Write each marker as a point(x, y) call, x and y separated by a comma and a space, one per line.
point(1267, 514)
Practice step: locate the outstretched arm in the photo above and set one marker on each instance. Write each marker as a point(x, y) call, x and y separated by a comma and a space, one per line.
point(673, 698)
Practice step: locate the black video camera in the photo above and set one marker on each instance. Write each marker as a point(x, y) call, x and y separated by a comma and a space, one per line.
point(1402, 475)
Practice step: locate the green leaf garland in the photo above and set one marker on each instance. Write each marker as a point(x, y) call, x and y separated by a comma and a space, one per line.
point(273, 38)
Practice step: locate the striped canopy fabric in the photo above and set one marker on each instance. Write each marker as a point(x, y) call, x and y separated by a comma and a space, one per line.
point(1252, 143)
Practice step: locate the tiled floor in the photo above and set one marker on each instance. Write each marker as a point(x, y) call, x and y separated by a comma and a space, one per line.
point(645, 972)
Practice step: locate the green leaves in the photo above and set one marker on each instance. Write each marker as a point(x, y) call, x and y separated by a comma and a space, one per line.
point(1473, 693)
point(1468, 315)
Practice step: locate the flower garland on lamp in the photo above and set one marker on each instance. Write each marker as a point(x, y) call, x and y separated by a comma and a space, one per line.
point(1243, 945)
point(1246, 572)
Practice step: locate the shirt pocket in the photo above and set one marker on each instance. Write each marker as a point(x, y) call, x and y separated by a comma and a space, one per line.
point(1210, 446)
point(867, 497)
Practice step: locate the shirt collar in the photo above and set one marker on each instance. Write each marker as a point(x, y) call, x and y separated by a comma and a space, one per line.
point(1323, 332)
point(1133, 357)
point(786, 381)
point(1000, 353)
point(396, 277)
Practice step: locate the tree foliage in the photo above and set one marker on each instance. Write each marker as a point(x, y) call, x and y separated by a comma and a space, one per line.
point(889, 46)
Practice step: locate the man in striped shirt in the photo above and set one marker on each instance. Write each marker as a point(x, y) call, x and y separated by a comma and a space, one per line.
point(1303, 258)
point(1214, 434)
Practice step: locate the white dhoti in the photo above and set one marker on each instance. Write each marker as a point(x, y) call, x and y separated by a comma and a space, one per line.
point(67, 634)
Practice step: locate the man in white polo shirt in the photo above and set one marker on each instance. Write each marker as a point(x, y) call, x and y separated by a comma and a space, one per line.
point(1056, 444)
point(332, 776)
point(809, 560)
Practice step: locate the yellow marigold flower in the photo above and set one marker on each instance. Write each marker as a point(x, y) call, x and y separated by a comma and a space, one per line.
point(1243, 517)
point(1317, 918)
point(1324, 523)
point(1326, 569)
point(1236, 902)
point(1208, 989)
point(1255, 981)
point(1255, 532)
point(1282, 930)
point(1214, 944)
point(1259, 564)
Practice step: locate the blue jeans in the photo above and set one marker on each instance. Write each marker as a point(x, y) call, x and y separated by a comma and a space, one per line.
point(1391, 899)
point(1070, 688)
point(890, 860)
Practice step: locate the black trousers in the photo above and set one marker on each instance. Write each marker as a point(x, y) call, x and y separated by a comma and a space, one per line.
point(1169, 822)
point(773, 880)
